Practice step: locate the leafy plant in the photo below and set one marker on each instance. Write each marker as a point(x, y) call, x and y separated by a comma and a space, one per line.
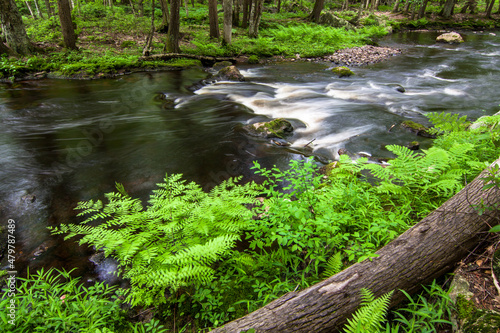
point(53, 301)
point(172, 242)
point(370, 315)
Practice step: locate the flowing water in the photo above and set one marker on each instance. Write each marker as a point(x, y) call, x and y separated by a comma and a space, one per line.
point(62, 141)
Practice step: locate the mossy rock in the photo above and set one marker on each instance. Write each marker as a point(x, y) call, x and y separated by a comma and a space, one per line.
point(277, 128)
point(230, 73)
point(342, 71)
point(221, 64)
point(417, 128)
point(329, 19)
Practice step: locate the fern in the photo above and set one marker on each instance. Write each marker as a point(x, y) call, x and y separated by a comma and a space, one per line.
point(333, 265)
point(369, 317)
point(171, 242)
point(447, 122)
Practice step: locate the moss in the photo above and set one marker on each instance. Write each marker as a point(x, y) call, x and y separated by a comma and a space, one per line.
point(465, 307)
point(128, 43)
point(342, 71)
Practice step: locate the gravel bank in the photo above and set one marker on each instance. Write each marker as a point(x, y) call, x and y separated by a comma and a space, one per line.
point(364, 55)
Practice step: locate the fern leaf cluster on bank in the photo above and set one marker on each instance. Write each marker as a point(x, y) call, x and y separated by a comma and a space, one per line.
point(178, 251)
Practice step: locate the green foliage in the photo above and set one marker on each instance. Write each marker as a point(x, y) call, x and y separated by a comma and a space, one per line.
point(172, 242)
point(333, 265)
point(53, 301)
point(369, 317)
point(425, 312)
point(447, 122)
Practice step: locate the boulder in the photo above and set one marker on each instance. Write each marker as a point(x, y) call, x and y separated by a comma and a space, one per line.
point(450, 37)
point(329, 19)
point(229, 73)
point(277, 128)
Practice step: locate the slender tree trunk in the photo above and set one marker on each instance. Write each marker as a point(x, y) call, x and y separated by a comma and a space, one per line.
point(316, 12)
point(236, 12)
point(246, 13)
point(423, 7)
point(29, 8)
point(50, 11)
point(395, 9)
point(423, 253)
point(67, 27)
point(413, 11)
point(147, 46)
point(213, 19)
point(406, 8)
point(172, 45)
point(490, 8)
point(279, 6)
point(186, 4)
point(448, 8)
point(255, 16)
point(13, 28)
point(164, 16)
point(40, 14)
point(228, 20)
point(132, 7)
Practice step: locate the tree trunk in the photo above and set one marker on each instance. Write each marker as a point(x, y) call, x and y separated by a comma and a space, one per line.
point(13, 28)
point(40, 14)
point(407, 7)
point(470, 5)
point(395, 9)
point(213, 19)
point(255, 16)
point(345, 5)
point(236, 12)
point(30, 10)
point(423, 253)
point(490, 9)
point(172, 44)
point(50, 11)
point(67, 27)
point(246, 13)
point(149, 39)
point(316, 12)
point(228, 20)
point(164, 17)
point(447, 10)
point(423, 7)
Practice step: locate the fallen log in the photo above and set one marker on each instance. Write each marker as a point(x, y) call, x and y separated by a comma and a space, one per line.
point(205, 60)
point(423, 253)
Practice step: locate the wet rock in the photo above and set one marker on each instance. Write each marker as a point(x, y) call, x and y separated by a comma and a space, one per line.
point(220, 65)
point(280, 142)
point(329, 19)
point(450, 38)
point(342, 151)
point(362, 55)
point(414, 145)
point(28, 198)
point(277, 128)
point(342, 71)
point(229, 73)
point(399, 88)
point(417, 128)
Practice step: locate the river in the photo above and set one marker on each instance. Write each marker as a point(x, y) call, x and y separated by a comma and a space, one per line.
point(63, 141)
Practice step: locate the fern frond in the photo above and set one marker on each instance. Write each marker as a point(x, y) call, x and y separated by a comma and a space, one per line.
point(333, 265)
point(369, 317)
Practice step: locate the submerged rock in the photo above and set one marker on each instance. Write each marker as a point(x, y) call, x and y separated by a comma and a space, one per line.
point(417, 128)
point(450, 37)
point(277, 128)
point(342, 71)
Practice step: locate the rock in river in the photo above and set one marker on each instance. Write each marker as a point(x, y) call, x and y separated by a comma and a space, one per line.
point(450, 37)
point(277, 128)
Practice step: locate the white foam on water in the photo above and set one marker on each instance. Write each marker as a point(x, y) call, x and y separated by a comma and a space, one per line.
point(454, 92)
point(332, 140)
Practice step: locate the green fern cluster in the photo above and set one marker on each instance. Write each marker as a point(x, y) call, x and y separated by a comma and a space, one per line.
point(369, 317)
point(447, 122)
point(173, 241)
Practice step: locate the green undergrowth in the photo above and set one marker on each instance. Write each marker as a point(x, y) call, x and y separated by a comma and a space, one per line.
point(203, 259)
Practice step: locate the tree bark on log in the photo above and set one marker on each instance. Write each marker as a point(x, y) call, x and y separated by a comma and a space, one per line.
point(424, 252)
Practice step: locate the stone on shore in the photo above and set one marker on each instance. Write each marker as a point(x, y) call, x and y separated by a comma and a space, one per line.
point(364, 55)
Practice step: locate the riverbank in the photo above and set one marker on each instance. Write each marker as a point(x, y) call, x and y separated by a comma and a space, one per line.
point(111, 41)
